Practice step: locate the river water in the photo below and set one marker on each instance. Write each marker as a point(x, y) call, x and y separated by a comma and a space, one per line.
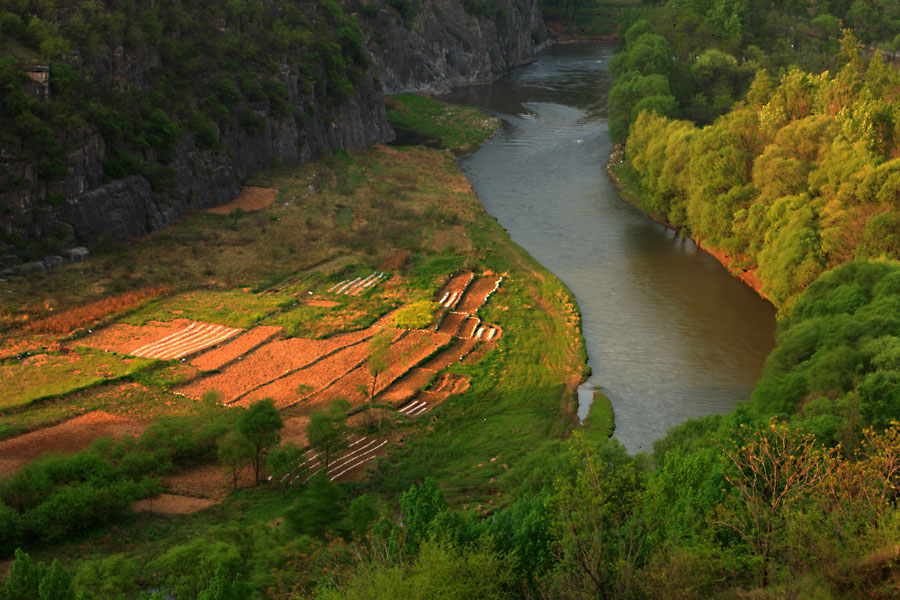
point(670, 334)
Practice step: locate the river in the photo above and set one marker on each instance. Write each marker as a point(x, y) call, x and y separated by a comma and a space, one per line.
point(670, 334)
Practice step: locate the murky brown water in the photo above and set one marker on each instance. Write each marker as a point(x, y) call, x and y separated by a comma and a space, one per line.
point(670, 334)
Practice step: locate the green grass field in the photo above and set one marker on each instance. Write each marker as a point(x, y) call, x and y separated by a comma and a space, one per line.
point(41, 376)
point(458, 128)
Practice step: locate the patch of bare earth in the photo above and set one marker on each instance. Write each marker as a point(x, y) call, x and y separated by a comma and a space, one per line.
point(235, 348)
point(251, 198)
point(317, 377)
point(268, 363)
point(452, 322)
point(477, 294)
point(396, 261)
point(207, 481)
point(294, 430)
point(322, 303)
point(172, 504)
point(406, 388)
point(124, 338)
point(458, 283)
point(71, 436)
point(467, 329)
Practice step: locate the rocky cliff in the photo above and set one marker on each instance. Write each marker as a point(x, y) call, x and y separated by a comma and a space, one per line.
point(334, 100)
point(447, 43)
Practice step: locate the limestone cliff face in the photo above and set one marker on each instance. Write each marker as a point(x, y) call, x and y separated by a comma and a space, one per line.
point(452, 42)
point(444, 44)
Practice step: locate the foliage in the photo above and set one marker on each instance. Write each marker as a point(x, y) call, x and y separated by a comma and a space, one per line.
point(35, 581)
point(797, 180)
point(259, 425)
point(327, 432)
point(600, 422)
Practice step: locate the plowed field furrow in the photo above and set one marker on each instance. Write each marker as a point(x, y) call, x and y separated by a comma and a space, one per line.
point(269, 362)
point(123, 338)
point(478, 293)
point(191, 339)
point(178, 334)
point(212, 337)
point(407, 386)
point(409, 352)
point(346, 383)
point(467, 329)
point(320, 376)
point(457, 284)
point(451, 323)
point(450, 356)
point(234, 349)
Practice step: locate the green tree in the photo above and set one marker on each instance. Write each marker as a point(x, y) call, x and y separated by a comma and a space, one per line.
point(600, 528)
point(226, 585)
point(260, 425)
point(327, 432)
point(281, 464)
point(317, 509)
point(235, 452)
point(379, 357)
point(420, 505)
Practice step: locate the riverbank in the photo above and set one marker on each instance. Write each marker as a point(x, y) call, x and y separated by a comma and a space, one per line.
point(628, 189)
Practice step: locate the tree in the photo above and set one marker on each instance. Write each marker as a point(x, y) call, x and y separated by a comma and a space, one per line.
point(379, 356)
point(600, 527)
point(327, 432)
point(420, 505)
point(768, 467)
point(281, 462)
point(226, 585)
point(318, 509)
point(260, 425)
point(235, 452)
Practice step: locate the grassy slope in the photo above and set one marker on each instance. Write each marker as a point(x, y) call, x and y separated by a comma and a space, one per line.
point(337, 218)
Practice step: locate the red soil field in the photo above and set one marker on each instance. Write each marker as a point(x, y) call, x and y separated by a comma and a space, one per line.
point(320, 375)
point(467, 330)
point(82, 316)
point(235, 348)
point(477, 294)
point(195, 337)
point(452, 322)
point(457, 283)
point(450, 356)
point(71, 436)
point(269, 362)
point(123, 338)
point(407, 387)
point(207, 481)
point(322, 303)
point(410, 351)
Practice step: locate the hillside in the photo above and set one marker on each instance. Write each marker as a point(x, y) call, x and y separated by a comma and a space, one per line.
point(116, 119)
